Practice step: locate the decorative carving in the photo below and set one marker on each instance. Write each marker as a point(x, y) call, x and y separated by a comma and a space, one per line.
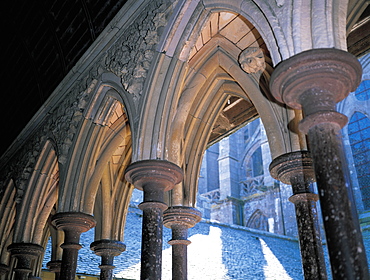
point(214, 195)
point(130, 58)
point(252, 60)
point(253, 185)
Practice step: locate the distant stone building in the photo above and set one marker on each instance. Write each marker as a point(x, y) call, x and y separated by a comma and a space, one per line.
point(235, 185)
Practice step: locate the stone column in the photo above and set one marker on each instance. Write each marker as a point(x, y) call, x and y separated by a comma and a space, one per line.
point(73, 224)
point(179, 219)
point(107, 250)
point(55, 266)
point(296, 169)
point(154, 177)
point(25, 253)
point(315, 81)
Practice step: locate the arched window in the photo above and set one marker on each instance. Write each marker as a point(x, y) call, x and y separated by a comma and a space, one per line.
point(359, 136)
point(363, 91)
point(258, 220)
point(256, 164)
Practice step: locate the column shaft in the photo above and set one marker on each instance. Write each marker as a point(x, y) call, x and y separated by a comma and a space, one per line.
point(346, 249)
point(296, 169)
point(315, 81)
point(310, 243)
point(107, 249)
point(73, 224)
point(152, 240)
point(154, 177)
point(179, 244)
point(180, 219)
point(55, 267)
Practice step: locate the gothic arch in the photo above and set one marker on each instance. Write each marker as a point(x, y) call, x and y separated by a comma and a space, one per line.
point(258, 220)
point(32, 214)
point(7, 212)
point(104, 127)
point(211, 76)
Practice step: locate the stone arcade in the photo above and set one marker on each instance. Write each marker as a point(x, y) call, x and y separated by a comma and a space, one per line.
point(163, 81)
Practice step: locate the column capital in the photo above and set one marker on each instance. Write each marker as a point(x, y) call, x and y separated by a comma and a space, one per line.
point(181, 215)
point(76, 221)
point(30, 250)
point(315, 80)
point(158, 173)
point(25, 254)
point(107, 247)
point(287, 166)
point(334, 72)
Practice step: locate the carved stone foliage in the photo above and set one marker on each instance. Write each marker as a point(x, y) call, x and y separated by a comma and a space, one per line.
point(131, 56)
point(253, 185)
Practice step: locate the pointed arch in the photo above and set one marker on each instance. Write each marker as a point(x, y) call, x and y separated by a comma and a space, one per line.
point(190, 92)
point(32, 214)
point(7, 212)
point(104, 129)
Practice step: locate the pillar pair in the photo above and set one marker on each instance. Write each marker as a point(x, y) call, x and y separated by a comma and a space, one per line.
point(154, 178)
point(73, 224)
point(315, 81)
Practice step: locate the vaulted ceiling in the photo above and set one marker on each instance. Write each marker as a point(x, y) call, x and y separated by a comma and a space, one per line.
point(43, 40)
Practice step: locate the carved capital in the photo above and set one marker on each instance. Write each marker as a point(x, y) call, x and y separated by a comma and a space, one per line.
point(75, 221)
point(150, 175)
point(320, 74)
point(181, 215)
point(25, 253)
point(106, 247)
point(288, 166)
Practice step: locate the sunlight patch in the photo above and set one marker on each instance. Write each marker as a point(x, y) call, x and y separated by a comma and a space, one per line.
point(273, 268)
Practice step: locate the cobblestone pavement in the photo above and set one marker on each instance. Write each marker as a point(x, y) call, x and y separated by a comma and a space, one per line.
point(217, 252)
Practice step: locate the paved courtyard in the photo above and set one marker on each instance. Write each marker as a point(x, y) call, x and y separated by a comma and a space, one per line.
point(217, 252)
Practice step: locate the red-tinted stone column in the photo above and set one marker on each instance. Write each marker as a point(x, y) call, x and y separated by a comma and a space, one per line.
point(25, 254)
point(154, 177)
point(296, 169)
point(73, 224)
point(315, 81)
point(180, 219)
point(107, 250)
point(55, 266)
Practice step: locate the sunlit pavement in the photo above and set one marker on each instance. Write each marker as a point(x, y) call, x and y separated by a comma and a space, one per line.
point(216, 252)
